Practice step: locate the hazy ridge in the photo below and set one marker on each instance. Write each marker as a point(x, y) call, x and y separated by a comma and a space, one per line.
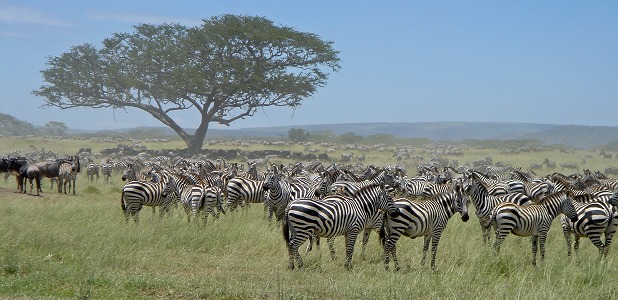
point(578, 136)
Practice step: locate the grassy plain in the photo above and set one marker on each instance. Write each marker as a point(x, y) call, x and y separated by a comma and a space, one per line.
point(79, 246)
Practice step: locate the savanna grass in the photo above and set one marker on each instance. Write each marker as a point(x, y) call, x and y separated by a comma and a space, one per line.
point(79, 246)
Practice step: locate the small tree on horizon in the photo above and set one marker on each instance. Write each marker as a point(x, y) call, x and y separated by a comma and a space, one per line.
point(224, 70)
point(298, 135)
point(56, 128)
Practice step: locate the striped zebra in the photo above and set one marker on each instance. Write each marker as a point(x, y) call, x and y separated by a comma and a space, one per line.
point(194, 194)
point(539, 189)
point(67, 175)
point(279, 192)
point(533, 220)
point(132, 174)
point(106, 166)
point(92, 170)
point(333, 216)
point(242, 191)
point(422, 218)
point(373, 223)
point(136, 194)
point(484, 203)
point(433, 189)
point(500, 187)
point(595, 220)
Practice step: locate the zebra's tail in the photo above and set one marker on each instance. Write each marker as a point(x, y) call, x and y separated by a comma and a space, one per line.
point(286, 231)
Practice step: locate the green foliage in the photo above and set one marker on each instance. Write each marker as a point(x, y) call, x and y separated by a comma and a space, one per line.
point(502, 144)
point(350, 138)
point(56, 128)
point(10, 125)
point(298, 135)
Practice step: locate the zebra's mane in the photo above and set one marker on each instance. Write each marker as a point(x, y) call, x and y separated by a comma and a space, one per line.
point(478, 176)
point(368, 186)
point(553, 196)
point(377, 174)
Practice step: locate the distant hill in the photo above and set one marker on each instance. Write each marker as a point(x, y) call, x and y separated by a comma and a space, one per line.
point(576, 136)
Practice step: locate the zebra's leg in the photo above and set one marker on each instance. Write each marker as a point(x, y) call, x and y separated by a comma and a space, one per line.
point(365, 241)
point(390, 249)
point(310, 243)
point(331, 247)
point(535, 244)
point(576, 245)
point(350, 240)
point(188, 211)
point(500, 236)
point(609, 234)
point(567, 237)
point(434, 248)
point(485, 230)
point(595, 238)
point(426, 240)
point(293, 254)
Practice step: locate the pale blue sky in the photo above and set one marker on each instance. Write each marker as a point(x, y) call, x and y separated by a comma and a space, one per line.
point(550, 62)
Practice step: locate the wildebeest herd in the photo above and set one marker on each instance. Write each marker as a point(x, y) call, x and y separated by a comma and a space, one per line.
point(311, 200)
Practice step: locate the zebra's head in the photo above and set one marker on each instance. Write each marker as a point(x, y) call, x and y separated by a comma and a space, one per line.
point(461, 201)
point(613, 200)
point(567, 206)
point(129, 173)
point(387, 203)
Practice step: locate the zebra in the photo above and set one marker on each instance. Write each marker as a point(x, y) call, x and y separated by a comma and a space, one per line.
point(373, 223)
point(538, 189)
point(422, 218)
point(594, 219)
point(335, 215)
point(280, 192)
point(433, 189)
point(484, 203)
point(92, 170)
point(242, 191)
point(533, 220)
point(67, 175)
point(136, 194)
point(497, 188)
point(106, 168)
point(131, 174)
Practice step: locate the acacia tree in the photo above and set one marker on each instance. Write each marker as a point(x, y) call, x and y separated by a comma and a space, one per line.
point(56, 128)
point(226, 69)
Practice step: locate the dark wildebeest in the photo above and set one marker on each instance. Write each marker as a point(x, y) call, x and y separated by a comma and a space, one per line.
point(51, 169)
point(24, 170)
point(4, 165)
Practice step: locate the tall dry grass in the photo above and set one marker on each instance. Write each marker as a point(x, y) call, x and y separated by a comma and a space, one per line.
point(79, 246)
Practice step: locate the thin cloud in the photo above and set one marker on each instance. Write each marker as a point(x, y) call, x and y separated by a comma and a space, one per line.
point(27, 15)
point(134, 19)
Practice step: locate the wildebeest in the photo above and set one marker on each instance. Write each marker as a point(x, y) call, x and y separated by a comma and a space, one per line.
point(24, 170)
point(51, 169)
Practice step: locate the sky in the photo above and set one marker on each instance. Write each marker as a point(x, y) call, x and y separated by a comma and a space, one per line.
point(546, 62)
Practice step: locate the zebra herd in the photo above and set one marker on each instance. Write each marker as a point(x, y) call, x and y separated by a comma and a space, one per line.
point(314, 201)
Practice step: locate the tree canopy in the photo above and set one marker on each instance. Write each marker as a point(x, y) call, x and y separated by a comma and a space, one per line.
point(225, 70)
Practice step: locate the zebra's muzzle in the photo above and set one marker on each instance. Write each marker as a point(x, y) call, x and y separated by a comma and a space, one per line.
point(465, 217)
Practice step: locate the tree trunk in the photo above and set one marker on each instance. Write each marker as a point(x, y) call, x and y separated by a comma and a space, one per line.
point(195, 145)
